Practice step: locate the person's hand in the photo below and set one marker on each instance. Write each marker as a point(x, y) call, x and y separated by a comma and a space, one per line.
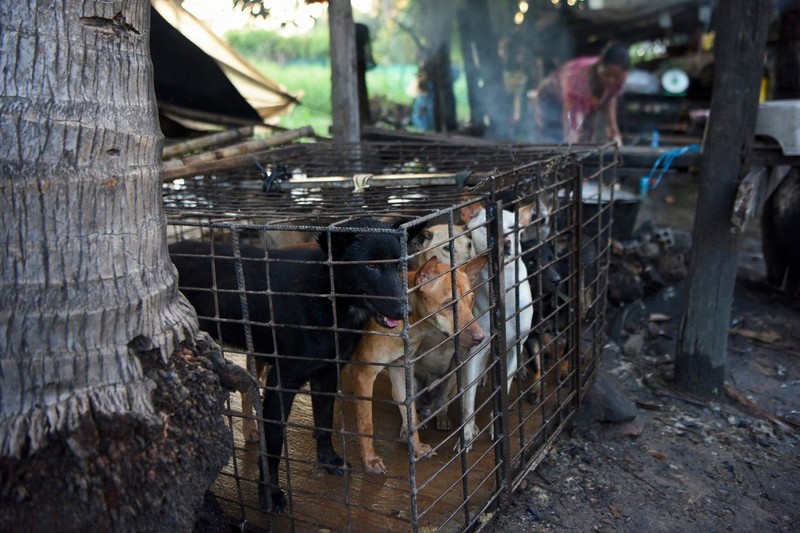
point(614, 134)
point(573, 137)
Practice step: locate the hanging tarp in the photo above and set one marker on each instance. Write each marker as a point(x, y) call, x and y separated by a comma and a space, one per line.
point(197, 71)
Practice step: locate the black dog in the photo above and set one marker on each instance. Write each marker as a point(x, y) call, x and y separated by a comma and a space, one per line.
point(541, 262)
point(313, 330)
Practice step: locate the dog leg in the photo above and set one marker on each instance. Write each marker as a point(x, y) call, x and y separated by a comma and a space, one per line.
point(277, 406)
point(323, 385)
point(249, 426)
point(534, 350)
point(398, 378)
point(511, 368)
point(443, 422)
point(475, 365)
point(364, 381)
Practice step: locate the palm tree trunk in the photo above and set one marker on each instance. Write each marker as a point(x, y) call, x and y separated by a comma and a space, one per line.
point(89, 310)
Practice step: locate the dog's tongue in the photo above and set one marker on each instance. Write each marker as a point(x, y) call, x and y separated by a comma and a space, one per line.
point(390, 323)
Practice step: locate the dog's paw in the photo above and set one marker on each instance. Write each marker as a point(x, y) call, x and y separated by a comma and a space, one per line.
point(249, 430)
point(423, 451)
point(522, 374)
point(404, 433)
point(532, 397)
point(443, 423)
point(333, 464)
point(374, 465)
point(278, 499)
point(470, 432)
point(467, 448)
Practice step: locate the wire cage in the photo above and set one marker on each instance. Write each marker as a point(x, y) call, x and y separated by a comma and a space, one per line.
point(438, 412)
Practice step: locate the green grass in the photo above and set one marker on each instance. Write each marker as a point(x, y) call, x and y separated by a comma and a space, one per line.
point(313, 80)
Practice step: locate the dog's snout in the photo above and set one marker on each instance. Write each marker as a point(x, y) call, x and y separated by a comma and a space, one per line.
point(472, 337)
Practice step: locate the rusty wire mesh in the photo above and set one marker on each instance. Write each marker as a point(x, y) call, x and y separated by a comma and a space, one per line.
point(304, 191)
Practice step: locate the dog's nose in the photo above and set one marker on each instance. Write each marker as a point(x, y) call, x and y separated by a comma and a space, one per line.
point(477, 337)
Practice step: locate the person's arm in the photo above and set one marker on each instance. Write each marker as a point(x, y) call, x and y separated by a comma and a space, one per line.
point(572, 116)
point(610, 110)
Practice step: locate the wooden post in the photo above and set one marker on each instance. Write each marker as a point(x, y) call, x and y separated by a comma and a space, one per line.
point(787, 55)
point(489, 102)
point(344, 89)
point(741, 32)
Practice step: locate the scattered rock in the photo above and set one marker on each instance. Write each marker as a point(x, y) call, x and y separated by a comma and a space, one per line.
point(653, 330)
point(672, 266)
point(605, 401)
point(624, 285)
point(633, 346)
point(630, 429)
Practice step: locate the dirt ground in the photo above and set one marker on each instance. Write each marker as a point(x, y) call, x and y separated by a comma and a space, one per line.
point(683, 464)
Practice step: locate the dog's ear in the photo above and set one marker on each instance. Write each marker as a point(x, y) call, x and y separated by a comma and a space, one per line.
point(468, 212)
point(427, 235)
point(322, 240)
point(474, 267)
point(413, 232)
point(525, 214)
point(426, 272)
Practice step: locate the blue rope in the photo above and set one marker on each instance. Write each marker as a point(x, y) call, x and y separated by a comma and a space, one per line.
point(666, 160)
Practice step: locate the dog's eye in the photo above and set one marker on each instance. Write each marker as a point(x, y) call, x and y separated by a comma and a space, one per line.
point(372, 265)
point(446, 247)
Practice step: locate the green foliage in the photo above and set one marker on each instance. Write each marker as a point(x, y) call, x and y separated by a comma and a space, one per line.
point(392, 82)
point(313, 82)
point(301, 64)
point(392, 45)
point(258, 44)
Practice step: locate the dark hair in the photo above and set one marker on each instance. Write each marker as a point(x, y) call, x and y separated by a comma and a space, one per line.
point(615, 54)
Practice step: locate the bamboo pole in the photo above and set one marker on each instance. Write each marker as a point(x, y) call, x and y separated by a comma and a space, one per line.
point(229, 157)
point(206, 141)
point(204, 116)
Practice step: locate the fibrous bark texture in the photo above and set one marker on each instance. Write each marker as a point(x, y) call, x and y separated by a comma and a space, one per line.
point(91, 437)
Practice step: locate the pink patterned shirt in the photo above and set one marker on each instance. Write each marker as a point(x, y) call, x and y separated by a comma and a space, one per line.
point(570, 85)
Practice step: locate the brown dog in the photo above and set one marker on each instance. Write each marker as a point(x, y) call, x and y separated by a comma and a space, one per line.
point(431, 312)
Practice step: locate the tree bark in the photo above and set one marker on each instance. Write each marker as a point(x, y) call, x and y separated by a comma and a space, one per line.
point(99, 426)
point(739, 57)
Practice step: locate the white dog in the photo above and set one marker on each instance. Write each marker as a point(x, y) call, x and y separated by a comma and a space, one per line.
point(438, 243)
point(520, 312)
